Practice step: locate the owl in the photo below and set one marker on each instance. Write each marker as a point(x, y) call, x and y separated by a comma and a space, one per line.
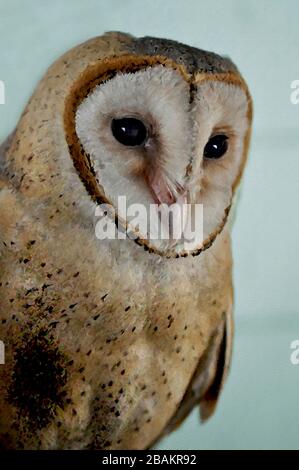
point(111, 341)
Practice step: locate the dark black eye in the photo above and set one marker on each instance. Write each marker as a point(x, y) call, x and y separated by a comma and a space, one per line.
point(216, 147)
point(129, 131)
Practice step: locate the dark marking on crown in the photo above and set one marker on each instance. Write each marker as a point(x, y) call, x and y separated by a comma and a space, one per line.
point(193, 59)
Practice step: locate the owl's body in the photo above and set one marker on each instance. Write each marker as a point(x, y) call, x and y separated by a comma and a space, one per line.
point(108, 344)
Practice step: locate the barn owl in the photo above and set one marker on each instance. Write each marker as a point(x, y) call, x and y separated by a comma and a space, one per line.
point(110, 343)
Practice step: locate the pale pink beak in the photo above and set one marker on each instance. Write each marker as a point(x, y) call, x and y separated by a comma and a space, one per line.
point(167, 194)
point(161, 188)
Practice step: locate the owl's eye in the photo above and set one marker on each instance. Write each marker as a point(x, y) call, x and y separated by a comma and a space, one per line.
point(216, 147)
point(129, 131)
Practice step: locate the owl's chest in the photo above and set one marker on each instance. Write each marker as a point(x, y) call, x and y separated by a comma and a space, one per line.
point(153, 309)
point(158, 297)
point(155, 324)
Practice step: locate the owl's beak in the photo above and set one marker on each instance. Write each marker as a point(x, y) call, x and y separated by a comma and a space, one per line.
point(166, 193)
point(164, 190)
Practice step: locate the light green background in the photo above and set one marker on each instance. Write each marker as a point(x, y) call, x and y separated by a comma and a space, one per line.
point(260, 405)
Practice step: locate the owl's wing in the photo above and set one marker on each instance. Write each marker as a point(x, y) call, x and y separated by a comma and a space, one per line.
point(208, 379)
point(9, 206)
point(218, 363)
point(3, 148)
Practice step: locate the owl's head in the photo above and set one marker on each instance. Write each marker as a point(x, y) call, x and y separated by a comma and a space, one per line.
point(158, 123)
